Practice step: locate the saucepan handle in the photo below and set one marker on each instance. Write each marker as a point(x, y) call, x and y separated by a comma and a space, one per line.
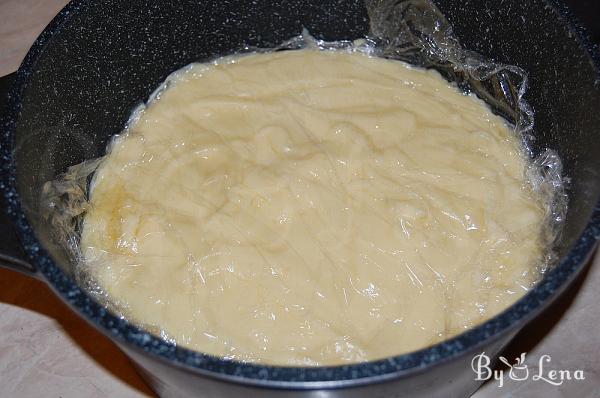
point(11, 251)
point(12, 255)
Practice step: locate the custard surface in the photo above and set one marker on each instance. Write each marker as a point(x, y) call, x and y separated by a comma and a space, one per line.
point(312, 208)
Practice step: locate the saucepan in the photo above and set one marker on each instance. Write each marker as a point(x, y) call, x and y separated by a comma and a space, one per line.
point(96, 61)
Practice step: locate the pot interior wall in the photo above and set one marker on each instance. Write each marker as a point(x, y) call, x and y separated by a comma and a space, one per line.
point(110, 55)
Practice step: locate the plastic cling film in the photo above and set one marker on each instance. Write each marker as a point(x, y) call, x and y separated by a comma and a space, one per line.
point(417, 32)
point(65, 201)
point(367, 211)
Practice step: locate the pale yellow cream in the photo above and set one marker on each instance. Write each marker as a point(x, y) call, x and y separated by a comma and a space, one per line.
point(313, 207)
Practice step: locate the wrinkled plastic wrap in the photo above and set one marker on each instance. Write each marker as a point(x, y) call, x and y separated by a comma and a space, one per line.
point(411, 31)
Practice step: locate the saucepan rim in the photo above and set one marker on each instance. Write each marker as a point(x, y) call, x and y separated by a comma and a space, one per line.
point(134, 338)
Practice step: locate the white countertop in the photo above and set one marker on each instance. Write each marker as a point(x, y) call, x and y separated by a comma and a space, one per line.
point(46, 350)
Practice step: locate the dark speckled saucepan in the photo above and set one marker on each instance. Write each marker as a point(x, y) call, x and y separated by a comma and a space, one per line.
point(97, 60)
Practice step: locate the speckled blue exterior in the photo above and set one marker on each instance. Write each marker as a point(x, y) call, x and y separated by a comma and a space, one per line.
point(142, 343)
